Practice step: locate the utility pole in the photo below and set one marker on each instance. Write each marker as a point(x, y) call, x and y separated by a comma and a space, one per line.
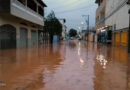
point(129, 34)
point(128, 2)
point(87, 21)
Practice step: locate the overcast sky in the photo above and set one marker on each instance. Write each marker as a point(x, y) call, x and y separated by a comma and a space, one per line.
point(72, 11)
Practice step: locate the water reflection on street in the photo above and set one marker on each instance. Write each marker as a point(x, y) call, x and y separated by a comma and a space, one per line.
point(70, 65)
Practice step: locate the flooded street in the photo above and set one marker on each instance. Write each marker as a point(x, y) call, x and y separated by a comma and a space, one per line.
point(71, 65)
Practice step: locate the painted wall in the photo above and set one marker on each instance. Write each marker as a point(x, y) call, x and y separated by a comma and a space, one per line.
point(99, 11)
point(120, 17)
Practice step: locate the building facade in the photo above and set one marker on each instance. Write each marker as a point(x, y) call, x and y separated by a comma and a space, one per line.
point(112, 21)
point(100, 19)
point(64, 27)
point(19, 22)
point(117, 20)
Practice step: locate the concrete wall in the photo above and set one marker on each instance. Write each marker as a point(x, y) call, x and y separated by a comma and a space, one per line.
point(100, 9)
point(117, 14)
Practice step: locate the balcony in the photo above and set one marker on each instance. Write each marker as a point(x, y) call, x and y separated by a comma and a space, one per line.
point(26, 12)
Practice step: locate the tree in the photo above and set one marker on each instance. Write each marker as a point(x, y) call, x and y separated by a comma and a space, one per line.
point(72, 32)
point(53, 26)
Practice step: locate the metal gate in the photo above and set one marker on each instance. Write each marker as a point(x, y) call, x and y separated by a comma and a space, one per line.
point(34, 39)
point(23, 37)
point(7, 37)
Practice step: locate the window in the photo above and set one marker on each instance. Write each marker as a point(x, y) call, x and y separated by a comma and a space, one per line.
point(40, 11)
point(32, 5)
point(22, 1)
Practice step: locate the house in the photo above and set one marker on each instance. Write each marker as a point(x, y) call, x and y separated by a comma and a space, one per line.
point(19, 22)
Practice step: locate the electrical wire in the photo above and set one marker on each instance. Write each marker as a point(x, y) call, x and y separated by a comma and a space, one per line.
point(70, 4)
point(67, 11)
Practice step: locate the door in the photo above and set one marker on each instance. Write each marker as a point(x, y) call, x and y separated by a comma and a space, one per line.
point(7, 37)
point(34, 39)
point(117, 38)
point(123, 38)
point(23, 37)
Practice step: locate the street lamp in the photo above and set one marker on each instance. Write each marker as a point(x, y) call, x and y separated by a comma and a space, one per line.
point(79, 28)
point(82, 23)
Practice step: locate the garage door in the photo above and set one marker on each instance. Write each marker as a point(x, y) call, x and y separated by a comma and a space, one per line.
point(7, 37)
point(117, 39)
point(34, 38)
point(124, 38)
point(23, 37)
point(89, 37)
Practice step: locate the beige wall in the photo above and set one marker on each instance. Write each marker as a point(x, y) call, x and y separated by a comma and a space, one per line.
point(120, 18)
point(16, 23)
point(100, 9)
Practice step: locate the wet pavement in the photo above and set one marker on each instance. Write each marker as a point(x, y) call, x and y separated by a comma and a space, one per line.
point(69, 65)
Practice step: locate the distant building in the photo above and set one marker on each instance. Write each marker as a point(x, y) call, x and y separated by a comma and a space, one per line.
point(19, 22)
point(64, 27)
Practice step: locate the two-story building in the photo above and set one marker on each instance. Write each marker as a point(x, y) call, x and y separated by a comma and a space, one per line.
point(117, 19)
point(112, 21)
point(19, 22)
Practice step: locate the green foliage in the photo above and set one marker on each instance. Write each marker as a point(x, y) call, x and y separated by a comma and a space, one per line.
point(52, 24)
point(72, 32)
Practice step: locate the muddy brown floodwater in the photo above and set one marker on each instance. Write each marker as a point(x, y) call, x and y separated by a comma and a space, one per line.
point(71, 65)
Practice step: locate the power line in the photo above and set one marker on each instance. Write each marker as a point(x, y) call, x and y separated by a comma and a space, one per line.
point(67, 11)
point(72, 3)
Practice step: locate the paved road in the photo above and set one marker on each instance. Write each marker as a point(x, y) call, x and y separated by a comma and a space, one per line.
point(69, 65)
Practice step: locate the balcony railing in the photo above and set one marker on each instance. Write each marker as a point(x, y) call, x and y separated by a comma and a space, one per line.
point(26, 9)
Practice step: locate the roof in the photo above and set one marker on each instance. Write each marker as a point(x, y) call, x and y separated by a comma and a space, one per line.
point(42, 3)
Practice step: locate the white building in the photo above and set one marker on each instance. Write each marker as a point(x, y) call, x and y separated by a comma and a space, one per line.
point(117, 18)
point(63, 21)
